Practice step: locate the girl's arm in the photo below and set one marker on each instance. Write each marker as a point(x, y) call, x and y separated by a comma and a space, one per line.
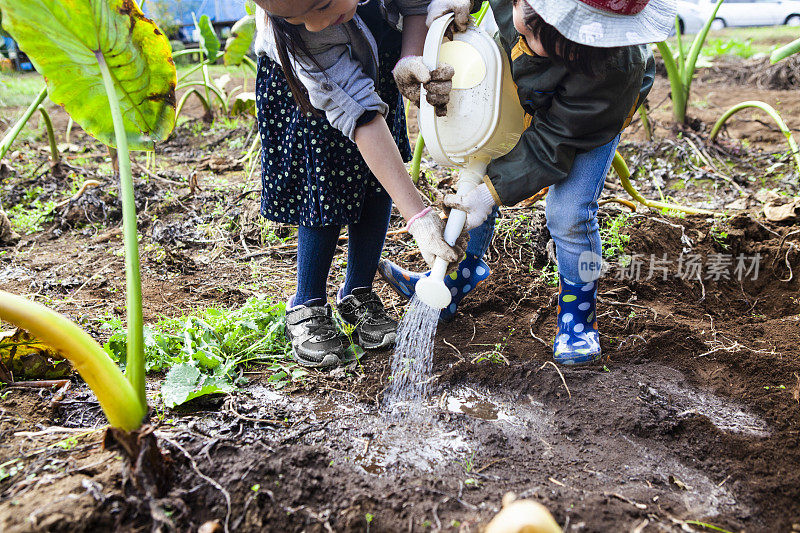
point(377, 147)
point(414, 32)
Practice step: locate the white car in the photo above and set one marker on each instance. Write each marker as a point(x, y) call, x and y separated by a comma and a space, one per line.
point(691, 17)
point(749, 13)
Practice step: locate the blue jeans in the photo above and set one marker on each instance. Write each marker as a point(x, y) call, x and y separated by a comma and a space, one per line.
point(481, 237)
point(572, 214)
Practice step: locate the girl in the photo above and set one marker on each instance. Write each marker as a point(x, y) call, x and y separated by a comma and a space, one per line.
point(333, 134)
point(581, 69)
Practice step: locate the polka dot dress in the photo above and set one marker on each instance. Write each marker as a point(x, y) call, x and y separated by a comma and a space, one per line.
point(311, 174)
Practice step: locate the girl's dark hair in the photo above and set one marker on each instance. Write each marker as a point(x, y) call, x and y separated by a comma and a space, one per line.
point(575, 56)
point(289, 43)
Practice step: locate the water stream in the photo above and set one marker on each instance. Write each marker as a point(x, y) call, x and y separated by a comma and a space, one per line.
point(412, 361)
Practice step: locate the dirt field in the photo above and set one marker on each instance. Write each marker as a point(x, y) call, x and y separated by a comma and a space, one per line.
point(692, 418)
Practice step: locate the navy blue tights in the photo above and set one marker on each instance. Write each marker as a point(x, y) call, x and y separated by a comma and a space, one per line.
point(316, 247)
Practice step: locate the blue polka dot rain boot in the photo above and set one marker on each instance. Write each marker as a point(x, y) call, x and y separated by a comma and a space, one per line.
point(470, 272)
point(577, 339)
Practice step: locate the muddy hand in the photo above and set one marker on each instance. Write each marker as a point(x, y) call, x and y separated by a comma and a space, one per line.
point(410, 73)
point(459, 8)
point(439, 87)
point(427, 229)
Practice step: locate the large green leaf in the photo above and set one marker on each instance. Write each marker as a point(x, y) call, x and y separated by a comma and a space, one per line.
point(240, 41)
point(65, 38)
point(209, 41)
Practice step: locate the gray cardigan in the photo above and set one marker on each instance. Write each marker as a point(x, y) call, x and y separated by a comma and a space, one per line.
point(344, 89)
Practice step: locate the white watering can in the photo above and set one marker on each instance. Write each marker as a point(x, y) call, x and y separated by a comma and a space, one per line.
point(484, 121)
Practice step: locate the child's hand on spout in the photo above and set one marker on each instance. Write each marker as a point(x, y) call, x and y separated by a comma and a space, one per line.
point(477, 203)
point(428, 232)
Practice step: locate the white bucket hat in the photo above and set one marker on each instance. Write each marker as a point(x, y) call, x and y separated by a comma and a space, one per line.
point(609, 23)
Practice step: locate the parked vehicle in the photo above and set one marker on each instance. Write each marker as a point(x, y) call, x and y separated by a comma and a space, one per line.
point(746, 12)
point(690, 16)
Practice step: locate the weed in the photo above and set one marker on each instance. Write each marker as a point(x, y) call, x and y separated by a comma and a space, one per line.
point(10, 469)
point(707, 526)
point(733, 47)
point(614, 242)
point(68, 443)
point(549, 275)
point(719, 235)
point(495, 355)
point(202, 350)
point(29, 214)
point(468, 463)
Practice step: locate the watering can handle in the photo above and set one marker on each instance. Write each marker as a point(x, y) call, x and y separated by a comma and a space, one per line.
point(430, 57)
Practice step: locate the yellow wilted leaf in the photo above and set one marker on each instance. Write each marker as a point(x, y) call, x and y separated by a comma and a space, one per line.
point(28, 358)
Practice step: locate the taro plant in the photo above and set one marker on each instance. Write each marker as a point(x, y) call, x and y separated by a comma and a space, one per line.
point(681, 65)
point(774, 115)
point(785, 51)
point(112, 71)
point(235, 54)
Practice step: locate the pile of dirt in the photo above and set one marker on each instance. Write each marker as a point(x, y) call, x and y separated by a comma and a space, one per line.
point(758, 72)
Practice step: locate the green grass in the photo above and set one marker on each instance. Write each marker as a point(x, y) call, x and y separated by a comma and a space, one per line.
point(744, 42)
point(19, 89)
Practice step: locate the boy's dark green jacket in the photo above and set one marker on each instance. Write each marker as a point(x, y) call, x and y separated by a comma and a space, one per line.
point(571, 113)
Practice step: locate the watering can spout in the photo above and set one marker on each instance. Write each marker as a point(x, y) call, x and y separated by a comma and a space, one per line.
point(431, 290)
point(484, 121)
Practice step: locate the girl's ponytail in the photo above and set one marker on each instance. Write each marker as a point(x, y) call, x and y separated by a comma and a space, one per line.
point(289, 43)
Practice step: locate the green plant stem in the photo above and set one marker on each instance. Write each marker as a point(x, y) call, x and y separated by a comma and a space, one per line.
point(68, 133)
point(694, 51)
point(479, 16)
point(181, 53)
point(785, 51)
point(625, 177)
point(213, 89)
point(648, 128)
point(675, 83)
point(250, 63)
point(206, 84)
point(190, 72)
point(768, 109)
point(681, 53)
point(417, 159)
point(117, 397)
point(51, 135)
point(186, 96)
point(13, 133)
point(134, 368)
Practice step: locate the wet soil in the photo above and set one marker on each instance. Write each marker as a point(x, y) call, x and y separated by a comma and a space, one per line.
point(693, 416)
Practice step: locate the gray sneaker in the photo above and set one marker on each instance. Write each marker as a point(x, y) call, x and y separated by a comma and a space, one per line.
point(316, 341)
point(364, 310)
